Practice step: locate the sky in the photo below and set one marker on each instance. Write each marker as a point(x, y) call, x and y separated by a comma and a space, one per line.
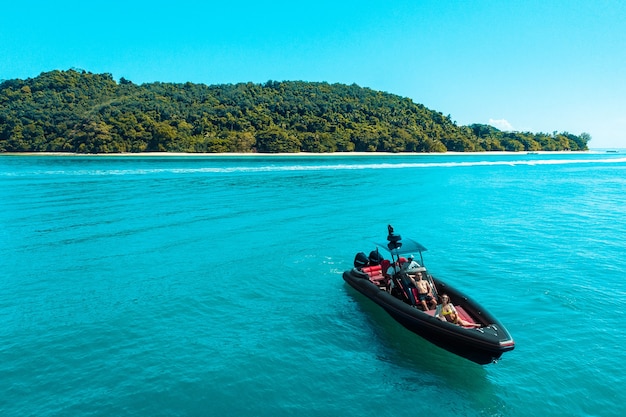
point(522, 65)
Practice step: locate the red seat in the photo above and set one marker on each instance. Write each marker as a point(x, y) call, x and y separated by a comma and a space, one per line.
point(385, 264)
point(460, 310)
point(376, 275)
point(464, 315)
point(371, 269)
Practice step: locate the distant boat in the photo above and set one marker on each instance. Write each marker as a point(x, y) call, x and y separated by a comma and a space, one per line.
point(481, 338)
point(612, 151)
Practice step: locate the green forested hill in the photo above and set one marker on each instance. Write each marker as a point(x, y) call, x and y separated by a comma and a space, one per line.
point(77, 111)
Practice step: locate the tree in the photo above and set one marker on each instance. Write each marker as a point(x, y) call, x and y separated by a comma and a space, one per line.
point(277, 140)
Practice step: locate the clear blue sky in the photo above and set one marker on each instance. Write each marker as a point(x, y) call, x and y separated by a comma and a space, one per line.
point(532, 65)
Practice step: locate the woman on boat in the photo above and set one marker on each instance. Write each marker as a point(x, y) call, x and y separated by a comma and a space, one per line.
point(449, 313)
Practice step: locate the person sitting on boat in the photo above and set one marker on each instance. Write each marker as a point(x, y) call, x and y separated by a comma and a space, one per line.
point(392, 269)
point(424, 291)
point(449, 313)
point(411, 266)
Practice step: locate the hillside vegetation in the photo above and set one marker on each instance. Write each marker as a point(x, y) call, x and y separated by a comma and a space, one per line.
point(77, 111)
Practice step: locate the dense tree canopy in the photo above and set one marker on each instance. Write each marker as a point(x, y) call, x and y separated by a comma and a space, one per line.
point(77, 111)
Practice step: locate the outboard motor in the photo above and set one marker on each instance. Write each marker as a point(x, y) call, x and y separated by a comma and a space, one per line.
point(360, 260)
point(375, 258)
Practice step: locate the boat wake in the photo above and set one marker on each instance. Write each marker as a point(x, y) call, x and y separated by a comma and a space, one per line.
point(318, 167)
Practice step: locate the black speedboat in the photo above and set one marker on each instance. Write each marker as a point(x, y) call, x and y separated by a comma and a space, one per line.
point(477, 336)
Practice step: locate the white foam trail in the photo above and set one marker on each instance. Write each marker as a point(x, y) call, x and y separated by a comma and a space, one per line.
point(325, 167)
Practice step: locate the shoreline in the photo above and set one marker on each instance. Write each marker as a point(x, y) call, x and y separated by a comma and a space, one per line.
point(300, 154)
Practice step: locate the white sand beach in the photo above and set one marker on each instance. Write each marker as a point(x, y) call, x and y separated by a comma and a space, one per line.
point(302, 154)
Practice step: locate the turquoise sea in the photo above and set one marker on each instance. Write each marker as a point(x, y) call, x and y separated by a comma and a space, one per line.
point(211, 285)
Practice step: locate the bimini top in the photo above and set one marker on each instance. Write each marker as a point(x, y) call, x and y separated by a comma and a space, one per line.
point(408, 246)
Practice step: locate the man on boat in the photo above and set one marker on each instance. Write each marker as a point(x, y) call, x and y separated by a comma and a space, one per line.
point(424, 291)
point(410, 266)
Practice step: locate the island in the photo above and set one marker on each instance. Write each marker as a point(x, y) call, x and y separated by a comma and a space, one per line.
point(76, 111)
